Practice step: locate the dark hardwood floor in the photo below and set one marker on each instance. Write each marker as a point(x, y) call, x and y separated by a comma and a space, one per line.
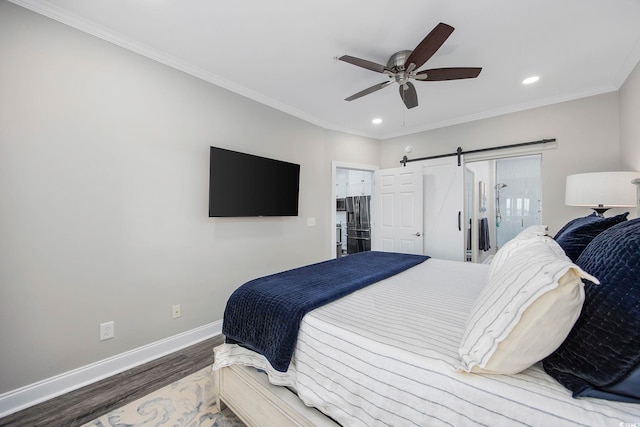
point(85, 404)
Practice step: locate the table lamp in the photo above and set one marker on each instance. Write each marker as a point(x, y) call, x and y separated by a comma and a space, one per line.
point(601, 191)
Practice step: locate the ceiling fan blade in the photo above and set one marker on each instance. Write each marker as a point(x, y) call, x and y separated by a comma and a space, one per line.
point(363, 63)
point(429, 45)
point(455, 73)
point(409, 95)
point(368, 90)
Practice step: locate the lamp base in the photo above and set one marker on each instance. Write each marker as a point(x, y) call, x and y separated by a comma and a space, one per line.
point(600, 211)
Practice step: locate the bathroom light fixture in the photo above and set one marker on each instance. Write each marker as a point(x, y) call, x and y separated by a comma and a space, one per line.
point(601, 191)
point(376, 121)
point(530, 80)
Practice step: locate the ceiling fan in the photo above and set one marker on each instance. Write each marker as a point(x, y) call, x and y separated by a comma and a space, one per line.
point(403, 66)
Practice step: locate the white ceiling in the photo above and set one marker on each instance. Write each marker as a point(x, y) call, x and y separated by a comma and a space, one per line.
point(282, 52)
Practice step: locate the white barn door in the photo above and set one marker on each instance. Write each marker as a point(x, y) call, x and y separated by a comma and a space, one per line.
point(443, 208)
point(398, 210)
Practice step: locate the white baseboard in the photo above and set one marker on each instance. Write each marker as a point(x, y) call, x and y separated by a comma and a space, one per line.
point(24, 397)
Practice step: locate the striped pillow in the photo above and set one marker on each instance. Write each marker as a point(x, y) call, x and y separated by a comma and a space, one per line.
point(529, 235)
point(525, 311)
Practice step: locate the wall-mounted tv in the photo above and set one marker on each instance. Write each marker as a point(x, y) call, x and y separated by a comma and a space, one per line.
point(246, 185)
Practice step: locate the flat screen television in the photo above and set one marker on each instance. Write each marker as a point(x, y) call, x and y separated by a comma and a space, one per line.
point(244, 185)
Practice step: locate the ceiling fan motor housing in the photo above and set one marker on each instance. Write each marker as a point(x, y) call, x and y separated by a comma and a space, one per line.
point(396, 66)
point(397, 60)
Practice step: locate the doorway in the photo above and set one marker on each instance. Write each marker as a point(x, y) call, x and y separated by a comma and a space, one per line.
point(506, 198)
point(518, 203)
point(351, 208)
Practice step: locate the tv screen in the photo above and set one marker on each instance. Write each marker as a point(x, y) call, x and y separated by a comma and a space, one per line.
point(246, 185)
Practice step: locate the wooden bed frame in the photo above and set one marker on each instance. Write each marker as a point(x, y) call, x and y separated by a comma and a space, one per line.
point(257, 402)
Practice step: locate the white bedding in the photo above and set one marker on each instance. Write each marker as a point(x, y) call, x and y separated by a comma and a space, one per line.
point(387, 355)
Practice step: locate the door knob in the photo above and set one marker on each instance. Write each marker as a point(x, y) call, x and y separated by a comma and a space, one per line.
point(418, 234)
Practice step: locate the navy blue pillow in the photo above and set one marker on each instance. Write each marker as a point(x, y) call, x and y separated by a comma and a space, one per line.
point(601, 355)
point(579, 232)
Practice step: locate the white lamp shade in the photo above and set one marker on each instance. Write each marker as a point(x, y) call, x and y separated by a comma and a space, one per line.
point(602, 189)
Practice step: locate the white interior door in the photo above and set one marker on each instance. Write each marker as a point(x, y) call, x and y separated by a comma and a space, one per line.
point(398, 210)
point(443, 208)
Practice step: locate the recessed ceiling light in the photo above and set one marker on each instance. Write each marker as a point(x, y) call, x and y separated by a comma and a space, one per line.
point(376, 121)
point(530, 80)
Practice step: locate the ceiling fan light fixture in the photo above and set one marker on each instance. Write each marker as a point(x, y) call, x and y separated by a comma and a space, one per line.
point(530, 80)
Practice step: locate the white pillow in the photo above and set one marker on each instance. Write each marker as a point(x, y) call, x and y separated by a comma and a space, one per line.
point(525, 311)
point(533, 230)
point(529, 235)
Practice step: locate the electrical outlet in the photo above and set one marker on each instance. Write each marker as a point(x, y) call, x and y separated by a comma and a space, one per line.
point(175, 311)
point(107, 330)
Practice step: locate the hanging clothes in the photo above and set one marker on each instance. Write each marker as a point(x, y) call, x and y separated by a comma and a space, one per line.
point(483, 235)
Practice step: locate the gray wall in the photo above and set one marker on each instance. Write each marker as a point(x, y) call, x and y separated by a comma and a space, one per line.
point(630, 122)
point(587, 132)
point(103, 185)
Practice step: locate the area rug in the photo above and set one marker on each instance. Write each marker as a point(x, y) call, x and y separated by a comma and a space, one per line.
point(189, 402)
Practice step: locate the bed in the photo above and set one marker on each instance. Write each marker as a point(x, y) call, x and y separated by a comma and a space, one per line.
point(408, 349)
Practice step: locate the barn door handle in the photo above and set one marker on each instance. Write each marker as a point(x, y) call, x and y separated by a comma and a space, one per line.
point(459, 220)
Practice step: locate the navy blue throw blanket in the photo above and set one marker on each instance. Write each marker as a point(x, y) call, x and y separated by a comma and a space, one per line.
point(264, 314)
